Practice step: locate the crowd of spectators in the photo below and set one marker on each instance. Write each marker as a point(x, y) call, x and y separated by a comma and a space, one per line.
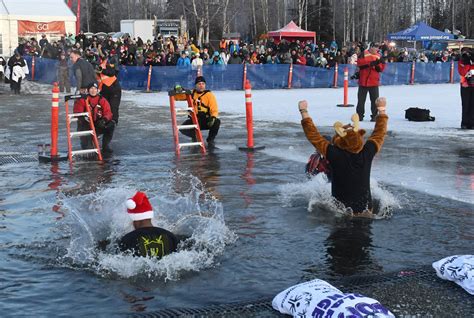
point(181, 52)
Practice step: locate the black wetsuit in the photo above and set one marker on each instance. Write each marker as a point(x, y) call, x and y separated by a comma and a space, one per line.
point(351, 176)
point(149, 241)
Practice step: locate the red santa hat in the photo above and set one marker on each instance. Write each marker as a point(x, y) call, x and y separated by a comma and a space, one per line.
point(139, 208)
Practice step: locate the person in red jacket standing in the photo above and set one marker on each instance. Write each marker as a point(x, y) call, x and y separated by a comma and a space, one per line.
point(466, 70)
point(370, 66)
point(101, 115)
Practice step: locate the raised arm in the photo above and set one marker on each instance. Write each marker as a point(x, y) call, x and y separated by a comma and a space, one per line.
point(378, 135)
point(310, 130)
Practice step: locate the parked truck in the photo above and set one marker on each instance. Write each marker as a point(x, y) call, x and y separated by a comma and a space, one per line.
point(138, 28)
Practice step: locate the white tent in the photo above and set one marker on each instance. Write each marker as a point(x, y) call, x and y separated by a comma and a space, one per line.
point(31, 18)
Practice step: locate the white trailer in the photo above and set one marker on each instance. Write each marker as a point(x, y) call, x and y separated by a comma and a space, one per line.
point(138, 28)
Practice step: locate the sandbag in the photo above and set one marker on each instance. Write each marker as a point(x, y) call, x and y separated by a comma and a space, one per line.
point(318, 298)
point(459, 269)
point(418, 114)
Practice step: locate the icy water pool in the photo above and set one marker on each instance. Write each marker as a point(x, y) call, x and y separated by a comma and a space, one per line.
point(256, 223)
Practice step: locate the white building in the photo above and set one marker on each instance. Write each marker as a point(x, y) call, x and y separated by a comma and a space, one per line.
point(32, 18)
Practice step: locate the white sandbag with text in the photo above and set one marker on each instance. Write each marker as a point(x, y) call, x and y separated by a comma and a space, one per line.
point(459, 269)
point(319, 299)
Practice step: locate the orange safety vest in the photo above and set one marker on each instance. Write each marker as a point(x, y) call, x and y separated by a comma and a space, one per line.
point(223, 45)
point(104, 79)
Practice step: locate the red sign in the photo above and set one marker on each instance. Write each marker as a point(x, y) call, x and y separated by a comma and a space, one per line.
point(30, 27)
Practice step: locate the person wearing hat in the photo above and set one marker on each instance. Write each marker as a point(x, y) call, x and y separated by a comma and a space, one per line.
point(44, 41)
point(16, 72)
point(109, 85)
point(101, 115)
point(83, 72)
point(63, 74)
point(370, 66)
point(350, 159)
point(206, 104)
point(146, 240)
point(196, 61)
point(183, 60)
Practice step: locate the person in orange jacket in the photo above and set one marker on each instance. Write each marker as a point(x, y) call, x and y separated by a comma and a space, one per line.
point(109, 85)
point(101, 115)
point(206, 104)
point(466, 70)
point(223, 45)
point(370, 66)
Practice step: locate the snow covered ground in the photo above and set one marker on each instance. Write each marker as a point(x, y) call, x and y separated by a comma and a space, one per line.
point(442, 99)
point(281, 105)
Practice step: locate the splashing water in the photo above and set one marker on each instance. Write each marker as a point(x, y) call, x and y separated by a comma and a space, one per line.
point(193, 213)
point(317, 192)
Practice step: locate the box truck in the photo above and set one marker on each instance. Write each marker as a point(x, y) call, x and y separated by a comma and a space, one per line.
point(138, 28)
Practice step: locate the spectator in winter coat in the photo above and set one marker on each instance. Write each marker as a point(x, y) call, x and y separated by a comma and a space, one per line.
point(286, 58)
point(3, 64)
point(130, 61)
point(183, 60)
point(271, 44)
point(83, 72)
point(196, 61)
point(273, 59)
point(17, 70)
point(43, 41)
point(309, 59)
point(370, 66)
point(216, 59)
point(321, 60)
point(63, 74)
point(466, 71)
point(300, 59)
point(283, 47)
point(223, 44)
point(233, 47)
point(224, 57)
point(235, 58)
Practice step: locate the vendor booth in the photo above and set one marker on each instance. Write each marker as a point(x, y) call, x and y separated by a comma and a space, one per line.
point(420, 32)
point(292, 32)
point(32, 18)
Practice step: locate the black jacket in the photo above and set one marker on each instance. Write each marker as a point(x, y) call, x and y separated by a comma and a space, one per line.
point(150, 242)
point(84, 73)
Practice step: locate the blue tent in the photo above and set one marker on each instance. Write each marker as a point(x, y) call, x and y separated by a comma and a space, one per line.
point(420, 32)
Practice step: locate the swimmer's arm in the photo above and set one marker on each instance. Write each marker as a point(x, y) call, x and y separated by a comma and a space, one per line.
point(310, 130)
point(380, 130)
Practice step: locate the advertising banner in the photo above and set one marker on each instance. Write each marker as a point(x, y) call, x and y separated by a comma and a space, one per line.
point(30, 27)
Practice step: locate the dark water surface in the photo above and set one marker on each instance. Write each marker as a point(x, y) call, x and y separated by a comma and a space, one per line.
point(258, 236)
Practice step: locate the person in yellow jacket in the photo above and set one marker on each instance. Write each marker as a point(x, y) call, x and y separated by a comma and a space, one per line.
point(207, 112)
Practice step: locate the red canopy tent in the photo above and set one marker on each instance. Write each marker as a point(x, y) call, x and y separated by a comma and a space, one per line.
point(292, 32)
